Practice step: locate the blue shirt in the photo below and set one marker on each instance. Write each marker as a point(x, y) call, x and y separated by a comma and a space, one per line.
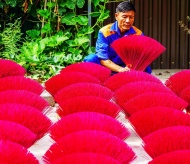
point(106, 36)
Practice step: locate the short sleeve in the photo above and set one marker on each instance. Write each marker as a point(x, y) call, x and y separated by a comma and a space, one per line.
point(102, 47)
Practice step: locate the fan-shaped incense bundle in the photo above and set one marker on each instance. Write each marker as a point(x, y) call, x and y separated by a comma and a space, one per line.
point(13, 153)
point(85, 158)
point(154, 118)
point(88, 121)
point(133, 89)
point(138, 51)
point(57, 82)
point(178, 81)
point(167, 140)
point(83, 89)
point(11, 68)
point(174, 157)
point(23, 97)
point(88, 103)
point(96, 70)
point(152, 99)
point(90, 141)
point(117, 80)
point(27, 116)
point(16, 133)
point(20, 83)
point(185, 95)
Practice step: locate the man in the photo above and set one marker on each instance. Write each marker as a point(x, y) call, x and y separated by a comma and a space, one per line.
point(123, 26)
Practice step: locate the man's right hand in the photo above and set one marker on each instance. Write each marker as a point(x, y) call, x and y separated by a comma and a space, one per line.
point(114, 67)
point(124, 69)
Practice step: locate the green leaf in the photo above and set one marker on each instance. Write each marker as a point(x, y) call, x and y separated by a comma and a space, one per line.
point(61, 39)
point(46, 28)
point(82, 20)
point(44, 13)
point(95, 14)
point(62, 4)
point(85, 31)
point(2, 4)
point(91, 50)
point(104, 15)
point(95, 2)
point(34, 48)
point(56, 40)
point(68, 19)
point(80, 3)
point(71, 43)
point(75, 51)
point(81, 40)
point(50, 42)
point(67, 32)
point(58, 56)
point(41, 47)
point(12, 3)
point(33, 33)
point(71, 4)
point(72, 58)
point(85, 46)
point(51, 4)
point(62, 10)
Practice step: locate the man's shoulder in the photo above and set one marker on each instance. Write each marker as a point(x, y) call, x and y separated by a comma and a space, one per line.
point(138, 31)
point(106, 30)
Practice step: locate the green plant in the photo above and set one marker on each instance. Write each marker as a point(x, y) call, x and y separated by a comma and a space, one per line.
point(10, 40)
point(43, 58)
point(184, 26)
point(60, 35)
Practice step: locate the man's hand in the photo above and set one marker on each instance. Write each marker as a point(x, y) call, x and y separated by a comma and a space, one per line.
point(124, 69)
point(114, 67)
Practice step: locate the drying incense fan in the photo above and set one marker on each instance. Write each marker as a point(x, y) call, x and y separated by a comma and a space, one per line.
point(137, 51)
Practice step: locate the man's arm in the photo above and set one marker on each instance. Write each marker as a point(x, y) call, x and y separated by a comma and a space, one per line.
point(102, 46)
point(112, 66)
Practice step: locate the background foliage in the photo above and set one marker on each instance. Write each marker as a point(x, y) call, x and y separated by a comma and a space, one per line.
point(46, 35)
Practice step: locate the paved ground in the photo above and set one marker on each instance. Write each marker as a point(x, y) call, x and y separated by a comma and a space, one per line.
point(40, 147)
point(164, 74)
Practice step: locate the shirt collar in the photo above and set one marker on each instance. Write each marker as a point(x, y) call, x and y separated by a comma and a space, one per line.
point(115, 28)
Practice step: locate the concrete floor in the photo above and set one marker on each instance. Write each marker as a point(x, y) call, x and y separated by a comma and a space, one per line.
point(164, 74)
point(40, 147)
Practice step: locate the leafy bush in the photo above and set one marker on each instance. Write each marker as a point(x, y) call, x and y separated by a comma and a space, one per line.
point(60, 35)
point(10, 40)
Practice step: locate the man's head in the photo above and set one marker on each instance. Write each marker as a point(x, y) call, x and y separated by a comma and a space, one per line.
point(125, 13)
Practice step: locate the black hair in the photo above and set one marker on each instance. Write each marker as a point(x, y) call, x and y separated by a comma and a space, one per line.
point(125, 6)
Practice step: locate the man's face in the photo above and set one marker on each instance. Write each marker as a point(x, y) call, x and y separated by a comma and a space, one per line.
point(125, 20)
